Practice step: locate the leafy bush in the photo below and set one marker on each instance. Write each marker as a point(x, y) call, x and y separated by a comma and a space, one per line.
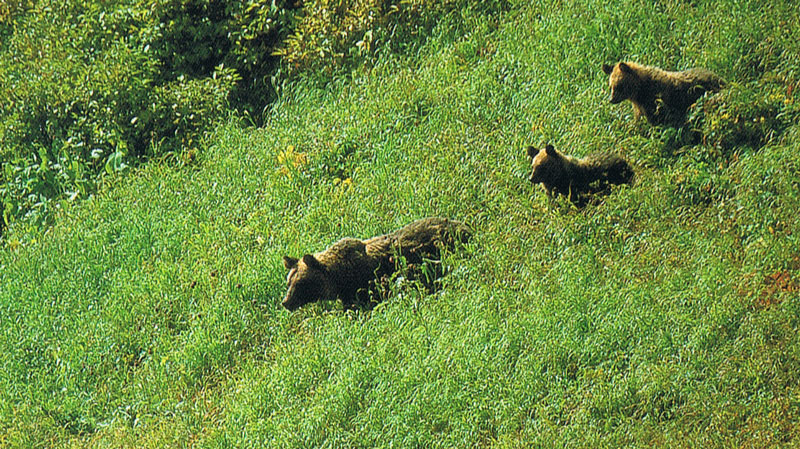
point(83, 102)
point(93, 87)
point(258, 30)
point(73, 116)
point(67, 114)
point(190, 38)
point(182, 109)
point(335, 33)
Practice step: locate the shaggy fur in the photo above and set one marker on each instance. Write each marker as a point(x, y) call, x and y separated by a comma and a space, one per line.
point(662, 97)
point(577, 178)
point(351, 268)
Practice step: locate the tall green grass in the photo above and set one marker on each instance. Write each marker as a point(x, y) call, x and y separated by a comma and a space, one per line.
point(664, 316)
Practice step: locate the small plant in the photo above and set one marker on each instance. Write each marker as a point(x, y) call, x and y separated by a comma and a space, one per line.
point(338, 163)
point(291, 161)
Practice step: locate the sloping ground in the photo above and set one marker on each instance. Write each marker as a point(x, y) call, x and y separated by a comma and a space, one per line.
point(665, 316)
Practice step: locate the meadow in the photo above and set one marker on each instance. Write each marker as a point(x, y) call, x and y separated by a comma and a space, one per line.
point(666, 315)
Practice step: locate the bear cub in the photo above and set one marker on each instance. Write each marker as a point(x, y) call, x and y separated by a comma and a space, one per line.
point(351, 269)
point(577, 179)
point(662, 97)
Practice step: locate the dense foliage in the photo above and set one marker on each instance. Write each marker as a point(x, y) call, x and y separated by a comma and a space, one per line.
point(335, 33)
point(95, 86)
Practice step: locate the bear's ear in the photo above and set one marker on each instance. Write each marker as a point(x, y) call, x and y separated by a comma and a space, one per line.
point(608, 69)
point(550, 150)
point(625, 67)
point(532, 152)
point(312, 262)
point(289, 262)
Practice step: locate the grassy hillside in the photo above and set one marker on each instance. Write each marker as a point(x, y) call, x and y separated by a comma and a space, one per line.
point(666, 316)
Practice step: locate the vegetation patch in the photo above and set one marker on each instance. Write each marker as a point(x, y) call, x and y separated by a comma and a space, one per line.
point(665, 314)
point(749, 116)
point(96, 87)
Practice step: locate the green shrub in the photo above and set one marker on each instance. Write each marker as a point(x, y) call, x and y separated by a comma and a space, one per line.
point(333, 34)
point(94, 87)
point(190, 38)
point(181, 110)
point(67, 116)
point(83, 102)
point(258, 30)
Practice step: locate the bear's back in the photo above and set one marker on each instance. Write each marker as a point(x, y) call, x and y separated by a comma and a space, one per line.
point(706, 78)
point(419, 239)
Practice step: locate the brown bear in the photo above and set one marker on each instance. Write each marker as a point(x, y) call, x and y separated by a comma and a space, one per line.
point(662, 97)
point(350, 269)
point(577, 179)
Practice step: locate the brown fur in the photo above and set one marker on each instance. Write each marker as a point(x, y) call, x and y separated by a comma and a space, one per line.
point(577, 178)
point(662, 97)
point(350, 268)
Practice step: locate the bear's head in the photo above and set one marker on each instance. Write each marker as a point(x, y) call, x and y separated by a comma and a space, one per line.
point(547, 164)
point(308, 281)
point(622, 80)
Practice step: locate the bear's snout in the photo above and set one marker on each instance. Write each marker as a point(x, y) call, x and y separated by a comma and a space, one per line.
point(288, 302)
